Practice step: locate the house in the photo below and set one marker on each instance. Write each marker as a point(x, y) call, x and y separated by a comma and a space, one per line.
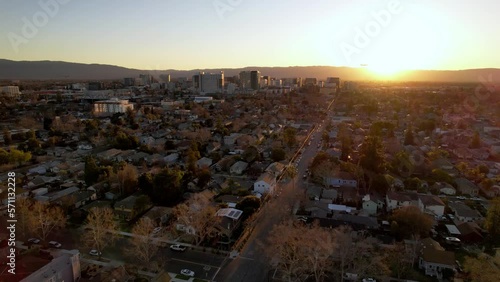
point(230, 221)
point(65, 267)
point(238, 167)
point(342, 179)
point(372, 204)
point(465, 186)
point(275, 168)
point(433, 259)
point(203, 162)
point(231, 139)
point(431, 204)
point(159, 215)
point(266, 183)
point(464, 213)
point(79, 198)
point(470, 232)
point(230, 200)
point(445, 188)
point(124, 209)
point(399, 199)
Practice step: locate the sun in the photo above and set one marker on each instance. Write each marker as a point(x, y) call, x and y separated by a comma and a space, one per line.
point(387, 70)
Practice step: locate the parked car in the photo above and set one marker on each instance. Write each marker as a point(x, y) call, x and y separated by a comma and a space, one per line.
point(177, 248)
point(156, 230)
point(95, 253)
point(369, 280)
point(34, 240)
point(54, 244)
point(187, 272)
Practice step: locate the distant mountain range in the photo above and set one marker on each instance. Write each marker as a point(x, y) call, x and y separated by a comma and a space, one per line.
point(53, 70)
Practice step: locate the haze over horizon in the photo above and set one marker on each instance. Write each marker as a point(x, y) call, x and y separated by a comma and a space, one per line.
point(387, 36)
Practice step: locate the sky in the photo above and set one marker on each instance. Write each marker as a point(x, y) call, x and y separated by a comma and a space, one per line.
point(385, 35)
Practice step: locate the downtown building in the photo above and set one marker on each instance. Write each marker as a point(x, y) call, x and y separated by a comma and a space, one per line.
point(250, 80)
point(208, 82)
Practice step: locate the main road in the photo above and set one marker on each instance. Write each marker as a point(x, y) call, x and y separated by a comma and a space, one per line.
point(253, 264)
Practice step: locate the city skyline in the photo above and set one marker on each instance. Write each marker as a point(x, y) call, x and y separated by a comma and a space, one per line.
point(385, 36)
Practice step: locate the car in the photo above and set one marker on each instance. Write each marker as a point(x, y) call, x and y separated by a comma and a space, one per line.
point(177, 248)
point(452, 240)
point(156, 230)
point(55, 244)
point(369, 280)
point(450, 216)
point(304, 176)
point(95, 253)
point(34, 240)
point(187, 272)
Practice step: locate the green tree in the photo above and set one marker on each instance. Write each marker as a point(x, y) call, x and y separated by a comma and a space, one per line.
point(91, 171)
point(409, 138)
point(441, 176)
point(278, 154)
point(476, 141)
point(18, 157)
point(372, 154)
point(290, 136)
point(167, 188)
point(410, 221)
point(492, 222)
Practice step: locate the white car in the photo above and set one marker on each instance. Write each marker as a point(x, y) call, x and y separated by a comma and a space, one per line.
point(95, 253)
point(55, 244)
point(369, 280)
point(177, 248)
point(34, 240)
point(156, 230)
point(187, 272)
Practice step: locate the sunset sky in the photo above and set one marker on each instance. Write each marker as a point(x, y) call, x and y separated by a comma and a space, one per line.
point(189, 34)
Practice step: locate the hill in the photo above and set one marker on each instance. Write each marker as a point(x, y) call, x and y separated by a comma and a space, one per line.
point(54, 70)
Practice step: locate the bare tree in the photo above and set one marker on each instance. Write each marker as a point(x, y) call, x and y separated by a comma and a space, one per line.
point(100, 228)
point(144, 245)
point(357, 254)
point(299, 251)
point(198, 216)
point(43, 218)
point(23, 212)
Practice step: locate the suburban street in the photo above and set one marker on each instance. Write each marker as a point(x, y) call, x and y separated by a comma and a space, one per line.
point(253, 263)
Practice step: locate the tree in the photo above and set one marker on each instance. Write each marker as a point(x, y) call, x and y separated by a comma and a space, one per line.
point(198, 216)
point(372, 155)
point(410, 221)
point(399, 261)
point(409, 138)
point(484, 268)
point(476, 141)
point(167, 186)
point(100, 228)
point(441, 176)
point(492, 222)
point(278, 154)
point(289, 136)
point(290, 172)
point(43, 218)
point(250, 154)
point(299, 251)
point(141, 204)
point(127, 179)
point(355, 253)
point(91, 171)
point(204, 177)
point(7, 137)
point(18, 157)
point(249, 205)
point(145, 183)
point(144, 245)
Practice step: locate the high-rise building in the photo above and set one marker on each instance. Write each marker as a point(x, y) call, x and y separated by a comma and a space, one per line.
point(209, 82)
point(165, 78)
point(250, 79)
point(147, 79)
point(332, 82)
point(95, 85)
point(128, 81)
